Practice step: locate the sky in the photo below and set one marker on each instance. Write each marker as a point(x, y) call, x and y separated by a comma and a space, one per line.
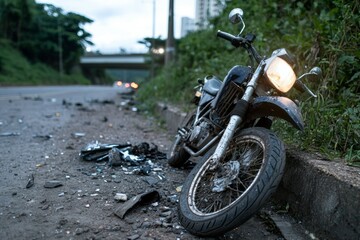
point(122, 23)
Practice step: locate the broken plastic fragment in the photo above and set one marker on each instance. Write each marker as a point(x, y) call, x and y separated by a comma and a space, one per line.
point(133, 159)
point(52, 184)
point(144, 198)
point(120, 197)
point(228, 172)
point(30, 182)
point(78, 134)
point(43, 137)
point(8, 134)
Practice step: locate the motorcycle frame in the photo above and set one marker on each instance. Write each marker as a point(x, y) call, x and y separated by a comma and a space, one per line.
point(247, 108)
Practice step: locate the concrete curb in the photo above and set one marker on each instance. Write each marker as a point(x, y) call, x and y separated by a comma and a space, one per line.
point(324, 195)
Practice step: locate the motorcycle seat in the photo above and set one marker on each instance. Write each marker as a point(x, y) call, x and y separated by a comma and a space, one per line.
point(212, 85)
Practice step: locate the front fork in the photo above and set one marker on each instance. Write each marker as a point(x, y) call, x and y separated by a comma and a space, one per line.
point(237, 117)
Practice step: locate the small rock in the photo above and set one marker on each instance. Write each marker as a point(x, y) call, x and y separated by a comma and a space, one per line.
point(133, 237)
point(146, 225)
point(79, 231)
point(165, 214)
point(158, 223)
point(62, 222)
point(167, 224)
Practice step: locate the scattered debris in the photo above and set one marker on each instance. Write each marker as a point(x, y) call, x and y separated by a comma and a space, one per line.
point(144, 198)
point(120, 197)
point(97, 151)
point(133, 159)
point(30, 182)
point(8, 134)
point(40, 165)
point(34, 98)
point(43, 137)
point(151, 180)
point(103, 102)
point(78, 134)
point(179, 188)
point(52, 184)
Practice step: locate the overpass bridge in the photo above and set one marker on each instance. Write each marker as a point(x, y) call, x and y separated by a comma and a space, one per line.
point(118, 61)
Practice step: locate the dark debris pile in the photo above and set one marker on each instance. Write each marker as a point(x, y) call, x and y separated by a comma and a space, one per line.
point(137, 159)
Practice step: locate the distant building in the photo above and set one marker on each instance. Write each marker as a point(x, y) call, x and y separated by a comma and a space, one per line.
point(187, 25)
point(206, 9)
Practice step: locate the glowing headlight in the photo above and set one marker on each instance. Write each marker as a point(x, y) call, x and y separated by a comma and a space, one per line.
point(280, 74)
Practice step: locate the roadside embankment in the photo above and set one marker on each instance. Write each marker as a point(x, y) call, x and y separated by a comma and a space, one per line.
point(322, 194)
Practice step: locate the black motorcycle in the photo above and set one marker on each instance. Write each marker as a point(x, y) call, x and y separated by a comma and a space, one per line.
point(242, 160)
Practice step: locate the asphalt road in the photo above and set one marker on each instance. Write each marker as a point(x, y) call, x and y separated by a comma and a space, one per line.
point(42, 131)
point(71, 93)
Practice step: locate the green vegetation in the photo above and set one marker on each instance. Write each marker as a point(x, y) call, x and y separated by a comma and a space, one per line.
point(39, 44)
point(319, 33)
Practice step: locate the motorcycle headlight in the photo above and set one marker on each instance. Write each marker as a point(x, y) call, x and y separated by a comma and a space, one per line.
point(280, 74)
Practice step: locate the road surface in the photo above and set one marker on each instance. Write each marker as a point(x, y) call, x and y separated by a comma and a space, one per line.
point(42, 131)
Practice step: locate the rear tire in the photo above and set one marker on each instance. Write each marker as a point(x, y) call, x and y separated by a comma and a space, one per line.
point(178, 156)
point(204, 210)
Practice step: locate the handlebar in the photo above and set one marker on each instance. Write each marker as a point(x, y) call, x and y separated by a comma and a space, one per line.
point(235, 41)
point(238, 41)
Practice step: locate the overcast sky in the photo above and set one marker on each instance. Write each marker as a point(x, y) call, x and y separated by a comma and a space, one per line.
point(121, 23)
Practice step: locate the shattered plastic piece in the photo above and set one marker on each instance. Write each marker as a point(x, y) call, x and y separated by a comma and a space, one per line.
point(40, 165)
point(115, 158)
point(52, 184)
point(228, 173)
point(43, 137)
point(144, 198)
point(78, 134)
point(8, 134)
point(120, 197)
point(151, 180)
point(30, 182)
point(97, 151)
point(132, 159)
point(140, 170)
point(179, 188)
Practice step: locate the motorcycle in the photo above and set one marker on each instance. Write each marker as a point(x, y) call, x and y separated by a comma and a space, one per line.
point(242, 160)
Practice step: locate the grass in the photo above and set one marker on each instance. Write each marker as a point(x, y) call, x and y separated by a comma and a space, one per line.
point(16, 70)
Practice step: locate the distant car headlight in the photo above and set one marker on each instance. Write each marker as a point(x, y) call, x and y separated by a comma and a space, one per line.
point(280, 74)
point(134, 85)
point(118, 83)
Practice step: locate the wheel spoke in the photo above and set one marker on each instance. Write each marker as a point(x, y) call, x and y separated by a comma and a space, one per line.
point(249, 153)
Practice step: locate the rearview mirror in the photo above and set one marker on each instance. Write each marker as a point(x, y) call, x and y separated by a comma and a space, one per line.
point(235, 17)
point(314, 74)
point(316, 71)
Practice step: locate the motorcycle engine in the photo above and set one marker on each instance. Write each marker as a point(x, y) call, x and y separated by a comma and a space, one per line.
point(200, 135)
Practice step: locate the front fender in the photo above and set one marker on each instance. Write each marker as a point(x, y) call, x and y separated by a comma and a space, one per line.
point(280, 107)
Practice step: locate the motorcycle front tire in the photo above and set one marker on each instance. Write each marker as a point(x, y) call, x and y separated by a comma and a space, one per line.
point(205, 210)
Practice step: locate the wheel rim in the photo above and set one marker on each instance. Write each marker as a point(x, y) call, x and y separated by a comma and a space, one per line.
point(249, 152)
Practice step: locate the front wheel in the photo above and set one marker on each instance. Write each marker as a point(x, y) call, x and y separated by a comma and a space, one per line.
point(214, 201)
